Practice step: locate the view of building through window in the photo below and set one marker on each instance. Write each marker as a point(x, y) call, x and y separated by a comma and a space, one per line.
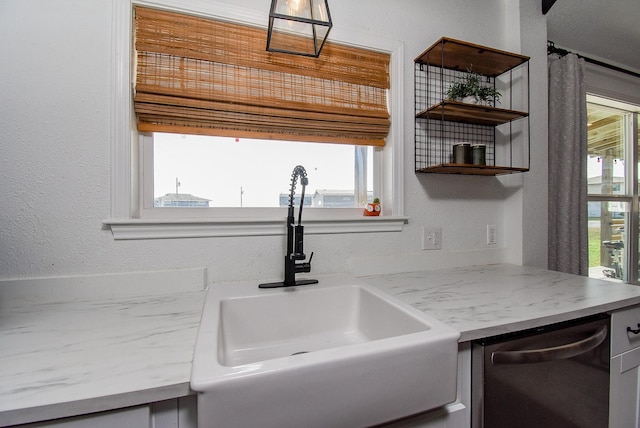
point(203, 171)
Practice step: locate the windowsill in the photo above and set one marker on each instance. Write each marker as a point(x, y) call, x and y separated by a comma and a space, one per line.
point(126, 229)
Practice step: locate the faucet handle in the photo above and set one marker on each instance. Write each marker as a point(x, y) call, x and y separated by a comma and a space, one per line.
point(304, 267)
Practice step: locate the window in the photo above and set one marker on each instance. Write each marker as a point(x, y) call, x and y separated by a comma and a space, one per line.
point(202, 171)
point(135, 191)
point(612, 167)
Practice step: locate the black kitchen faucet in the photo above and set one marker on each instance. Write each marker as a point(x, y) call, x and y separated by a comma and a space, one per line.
point(294, 259)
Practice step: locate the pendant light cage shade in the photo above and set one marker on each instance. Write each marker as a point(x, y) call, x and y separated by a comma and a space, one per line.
point(298, 27)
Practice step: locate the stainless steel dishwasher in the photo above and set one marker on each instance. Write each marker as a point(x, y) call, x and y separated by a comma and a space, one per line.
point(553, 376)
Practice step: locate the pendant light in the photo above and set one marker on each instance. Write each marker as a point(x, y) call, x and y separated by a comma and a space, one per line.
point(298, 27)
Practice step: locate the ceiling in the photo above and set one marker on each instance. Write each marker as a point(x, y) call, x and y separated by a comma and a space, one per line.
point(605, 129)
point(607, 31)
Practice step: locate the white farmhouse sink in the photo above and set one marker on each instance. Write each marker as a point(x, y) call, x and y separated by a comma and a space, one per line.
point(337, 353)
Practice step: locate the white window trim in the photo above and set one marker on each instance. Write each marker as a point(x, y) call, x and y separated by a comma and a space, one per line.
point(631, 197)
point(126, 203)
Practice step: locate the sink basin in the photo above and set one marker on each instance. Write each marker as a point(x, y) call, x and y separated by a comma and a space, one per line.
point(338, 353)
point(263, 327)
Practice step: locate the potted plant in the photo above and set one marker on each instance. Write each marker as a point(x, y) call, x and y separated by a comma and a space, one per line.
point(471, 90)
point(373, 208)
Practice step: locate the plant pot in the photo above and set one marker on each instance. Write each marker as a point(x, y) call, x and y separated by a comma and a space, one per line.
point(372, 209)
point(471, 99)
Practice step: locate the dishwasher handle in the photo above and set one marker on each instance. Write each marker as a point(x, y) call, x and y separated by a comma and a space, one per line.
point(560, 352)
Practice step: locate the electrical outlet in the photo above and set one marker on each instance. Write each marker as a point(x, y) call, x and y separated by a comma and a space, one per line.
point(432, 238)
point(492, 237)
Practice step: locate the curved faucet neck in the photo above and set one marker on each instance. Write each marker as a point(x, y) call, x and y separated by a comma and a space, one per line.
point(300, 172)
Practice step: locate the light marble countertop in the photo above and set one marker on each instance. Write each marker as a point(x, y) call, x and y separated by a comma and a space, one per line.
point(108, 342)
point(94, 353)
point(483, 301)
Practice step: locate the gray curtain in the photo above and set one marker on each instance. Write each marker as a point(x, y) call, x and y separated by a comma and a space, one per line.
point(568, 233)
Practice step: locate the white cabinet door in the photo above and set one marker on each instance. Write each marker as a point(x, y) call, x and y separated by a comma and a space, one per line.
point(624, 398)
point(175, 413)
point(624, 395)
point(133, 417)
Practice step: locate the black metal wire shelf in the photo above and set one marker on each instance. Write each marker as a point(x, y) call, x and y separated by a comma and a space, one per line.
point(441, 123)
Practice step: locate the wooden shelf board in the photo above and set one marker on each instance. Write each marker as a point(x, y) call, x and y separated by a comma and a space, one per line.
point(458, 55)
point(454, 111)
point(464, 169)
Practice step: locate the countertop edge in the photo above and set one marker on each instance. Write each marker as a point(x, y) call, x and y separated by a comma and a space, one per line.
point(471, 335)
point(93, 405)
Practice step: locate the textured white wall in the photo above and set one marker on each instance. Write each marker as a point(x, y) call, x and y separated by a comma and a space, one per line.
point(55, 150)
point(534, 200)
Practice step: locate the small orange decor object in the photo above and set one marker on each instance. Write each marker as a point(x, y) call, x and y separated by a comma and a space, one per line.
point(373, 208)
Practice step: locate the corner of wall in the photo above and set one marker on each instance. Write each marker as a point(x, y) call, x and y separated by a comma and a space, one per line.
point(533, 35)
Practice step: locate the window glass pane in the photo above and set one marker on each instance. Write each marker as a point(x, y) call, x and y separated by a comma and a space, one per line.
point(607, 238)
point(192, 170)
point(606, 148)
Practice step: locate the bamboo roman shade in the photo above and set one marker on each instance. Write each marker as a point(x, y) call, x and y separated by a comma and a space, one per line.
point(201, 76)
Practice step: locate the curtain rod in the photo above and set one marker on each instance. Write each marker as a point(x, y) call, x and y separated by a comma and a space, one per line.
point(552, 49)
